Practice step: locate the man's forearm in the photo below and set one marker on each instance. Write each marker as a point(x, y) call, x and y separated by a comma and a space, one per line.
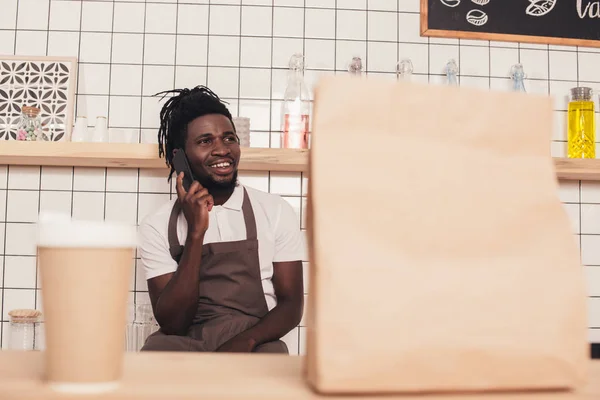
point(178, 302)
point(284, 317)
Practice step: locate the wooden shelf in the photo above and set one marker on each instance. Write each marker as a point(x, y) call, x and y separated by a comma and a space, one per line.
point(577, 169)
point(133, 155)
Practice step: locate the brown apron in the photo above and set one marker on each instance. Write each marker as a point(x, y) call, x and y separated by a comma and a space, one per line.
point(231, 299)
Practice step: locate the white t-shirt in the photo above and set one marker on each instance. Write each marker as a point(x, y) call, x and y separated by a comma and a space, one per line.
point(278, 231)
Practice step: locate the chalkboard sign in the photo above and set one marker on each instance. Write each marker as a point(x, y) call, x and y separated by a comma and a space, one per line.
point(563, 22)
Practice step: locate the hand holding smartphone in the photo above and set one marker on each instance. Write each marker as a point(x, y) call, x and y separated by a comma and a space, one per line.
point(195, 200)
point(181, 164)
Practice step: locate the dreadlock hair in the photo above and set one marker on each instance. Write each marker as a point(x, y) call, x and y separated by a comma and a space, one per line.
point(181, 109)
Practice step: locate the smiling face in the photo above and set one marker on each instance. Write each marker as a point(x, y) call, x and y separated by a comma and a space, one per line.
point(213, 151)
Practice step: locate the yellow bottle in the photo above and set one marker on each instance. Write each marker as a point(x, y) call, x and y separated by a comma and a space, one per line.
point(582, 124)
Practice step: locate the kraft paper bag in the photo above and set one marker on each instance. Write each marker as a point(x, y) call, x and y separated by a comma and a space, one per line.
point(441, 257)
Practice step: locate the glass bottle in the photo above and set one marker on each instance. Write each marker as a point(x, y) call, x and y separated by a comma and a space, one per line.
point(355, 67)
point(517, 74)
point(582, 124)
point(25, 330)
point(452, 73)
point(30, 125)
point(404, 69)
point(296, 107)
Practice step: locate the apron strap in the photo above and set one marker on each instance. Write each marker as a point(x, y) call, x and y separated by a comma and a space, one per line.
point(249, 217)
point(176, 249)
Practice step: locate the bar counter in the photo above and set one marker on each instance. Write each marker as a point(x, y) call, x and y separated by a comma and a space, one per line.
point(174, 376)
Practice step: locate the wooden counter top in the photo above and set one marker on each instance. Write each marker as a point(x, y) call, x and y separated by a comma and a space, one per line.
point(174, 376)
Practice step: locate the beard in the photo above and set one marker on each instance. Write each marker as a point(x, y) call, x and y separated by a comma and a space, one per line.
point(212, 184)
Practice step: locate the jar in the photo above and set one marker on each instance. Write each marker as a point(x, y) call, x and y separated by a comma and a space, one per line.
point(404, 69)
point(581, 124)
point(25, 330)
point(30, 126)
point(356, 66)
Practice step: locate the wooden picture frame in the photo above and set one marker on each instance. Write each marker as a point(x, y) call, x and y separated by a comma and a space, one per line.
point(501, 37)
point(47, 83)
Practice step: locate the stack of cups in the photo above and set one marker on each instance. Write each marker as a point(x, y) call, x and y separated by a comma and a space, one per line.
point(85, 269)
point(242, 128)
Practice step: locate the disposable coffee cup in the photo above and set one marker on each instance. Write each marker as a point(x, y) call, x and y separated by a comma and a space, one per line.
point(85, 269)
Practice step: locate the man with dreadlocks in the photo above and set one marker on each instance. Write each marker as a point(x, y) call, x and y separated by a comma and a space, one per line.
point(222, 260)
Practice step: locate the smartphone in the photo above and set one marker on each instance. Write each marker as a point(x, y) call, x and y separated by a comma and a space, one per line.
point(181, 164)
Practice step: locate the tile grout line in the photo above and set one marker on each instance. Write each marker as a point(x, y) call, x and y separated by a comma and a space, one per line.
point(108, 123)
point(4, 257)
point(79, 59)
point(35, 296)
point(48, 27)
point(579, 183)
point(143, 64)
point(367, 70)
point(271, 74)
point(399, 57)
point(239, 68)
point(176, 44)
point(40, 175)
point(15, 43)
point(327, 39)
point(208, 41)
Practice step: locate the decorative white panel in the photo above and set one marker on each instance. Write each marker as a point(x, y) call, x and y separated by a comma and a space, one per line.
point(44, 82)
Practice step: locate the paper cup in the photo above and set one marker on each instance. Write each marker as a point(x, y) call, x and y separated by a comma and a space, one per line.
point(85, 269)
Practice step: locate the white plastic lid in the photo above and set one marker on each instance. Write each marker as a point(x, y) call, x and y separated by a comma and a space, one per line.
point(60, 230)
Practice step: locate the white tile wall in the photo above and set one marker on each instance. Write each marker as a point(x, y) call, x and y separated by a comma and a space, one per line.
point(31, 43)
point(131, 49)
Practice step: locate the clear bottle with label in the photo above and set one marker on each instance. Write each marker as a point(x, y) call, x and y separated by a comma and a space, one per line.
point(517, 74)
point(582, 124)
point(296, 107)
point(356, 66)
point(451, 73)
